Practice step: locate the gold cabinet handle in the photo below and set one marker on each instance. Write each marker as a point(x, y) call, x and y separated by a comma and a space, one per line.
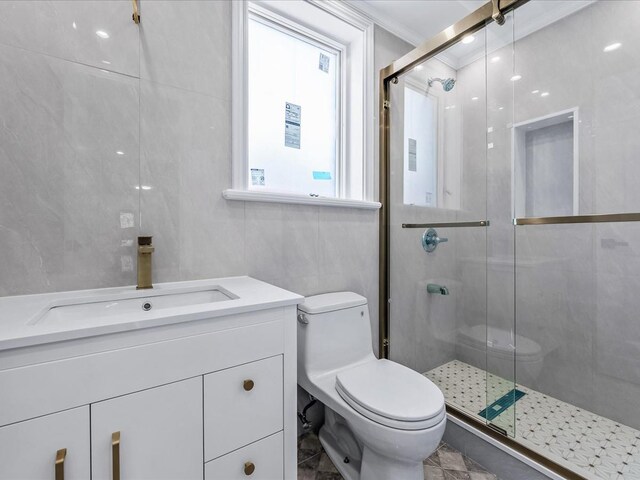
point(248, 385)
point(249, 468)
point(60, 456)
point(115, 455)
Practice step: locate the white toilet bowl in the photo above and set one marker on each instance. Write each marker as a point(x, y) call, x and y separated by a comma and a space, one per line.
point(381, 419)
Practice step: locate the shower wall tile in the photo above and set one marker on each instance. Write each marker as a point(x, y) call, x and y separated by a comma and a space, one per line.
point(187, 44)
point(68, 200)
point(67, 29)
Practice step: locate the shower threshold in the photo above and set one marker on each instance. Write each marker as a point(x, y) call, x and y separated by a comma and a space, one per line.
point(588, 444)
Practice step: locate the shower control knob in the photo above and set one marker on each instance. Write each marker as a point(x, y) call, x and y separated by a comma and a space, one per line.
point(430, 240)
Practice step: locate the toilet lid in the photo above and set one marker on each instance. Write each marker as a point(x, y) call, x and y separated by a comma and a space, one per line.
point(391, 394)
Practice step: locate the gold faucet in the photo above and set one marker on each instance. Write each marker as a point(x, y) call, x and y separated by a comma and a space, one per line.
point(145, 249)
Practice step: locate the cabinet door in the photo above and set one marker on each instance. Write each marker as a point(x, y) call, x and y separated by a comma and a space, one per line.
point(28, 449)
point(160, 434)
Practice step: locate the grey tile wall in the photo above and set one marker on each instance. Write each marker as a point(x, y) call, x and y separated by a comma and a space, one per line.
point(159, 93)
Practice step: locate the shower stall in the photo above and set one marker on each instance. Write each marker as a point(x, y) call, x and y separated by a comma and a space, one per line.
point(510, 238)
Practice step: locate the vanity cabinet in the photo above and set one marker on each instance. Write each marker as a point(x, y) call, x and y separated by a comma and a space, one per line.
point(209, 398)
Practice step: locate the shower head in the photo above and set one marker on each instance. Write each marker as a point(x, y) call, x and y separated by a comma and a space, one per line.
point(447, 83)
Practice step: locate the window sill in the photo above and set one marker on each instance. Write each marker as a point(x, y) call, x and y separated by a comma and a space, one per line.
point(251, 196)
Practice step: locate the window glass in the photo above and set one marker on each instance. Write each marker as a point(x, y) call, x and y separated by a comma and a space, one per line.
point(293, 114)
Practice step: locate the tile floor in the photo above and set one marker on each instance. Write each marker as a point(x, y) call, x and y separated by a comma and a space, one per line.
point(445, 464)
point(592, 446)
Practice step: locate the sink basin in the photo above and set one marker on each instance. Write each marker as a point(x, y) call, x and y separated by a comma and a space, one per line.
point(137, 302)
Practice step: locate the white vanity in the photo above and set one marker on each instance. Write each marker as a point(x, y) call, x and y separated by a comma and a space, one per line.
point(190, 380)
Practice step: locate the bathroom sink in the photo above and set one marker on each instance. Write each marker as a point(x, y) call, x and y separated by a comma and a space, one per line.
point(94, 309)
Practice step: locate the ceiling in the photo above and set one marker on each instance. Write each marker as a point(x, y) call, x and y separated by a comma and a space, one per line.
point(416, 20)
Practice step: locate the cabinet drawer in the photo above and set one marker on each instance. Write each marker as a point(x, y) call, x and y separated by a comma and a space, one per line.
point(265, 456)
point(28, 449)
point(241, 405)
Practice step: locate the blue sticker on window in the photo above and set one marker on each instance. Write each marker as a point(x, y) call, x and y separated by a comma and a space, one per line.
point(322, 175)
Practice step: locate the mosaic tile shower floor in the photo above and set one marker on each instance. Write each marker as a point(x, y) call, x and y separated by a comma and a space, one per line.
point(445, 463)
point(591, 445)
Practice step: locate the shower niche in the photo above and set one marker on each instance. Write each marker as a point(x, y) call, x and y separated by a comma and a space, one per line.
point(546, 165)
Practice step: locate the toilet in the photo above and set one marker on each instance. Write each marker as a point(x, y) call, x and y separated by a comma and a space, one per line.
point(382, 419)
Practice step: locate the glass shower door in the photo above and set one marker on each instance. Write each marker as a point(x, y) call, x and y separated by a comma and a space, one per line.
point(502, 392)
point(451, 307)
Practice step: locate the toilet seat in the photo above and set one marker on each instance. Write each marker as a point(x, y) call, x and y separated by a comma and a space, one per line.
point(392, 395)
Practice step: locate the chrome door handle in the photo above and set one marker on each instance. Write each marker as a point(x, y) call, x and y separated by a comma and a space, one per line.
point(430, 240)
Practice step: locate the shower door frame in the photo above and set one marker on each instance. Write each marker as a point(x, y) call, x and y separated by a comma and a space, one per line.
point(473, 22)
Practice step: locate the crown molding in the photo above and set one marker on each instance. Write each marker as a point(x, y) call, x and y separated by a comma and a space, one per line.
point(391, 26)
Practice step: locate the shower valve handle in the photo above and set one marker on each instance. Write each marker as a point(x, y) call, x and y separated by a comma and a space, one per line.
point(431, 240)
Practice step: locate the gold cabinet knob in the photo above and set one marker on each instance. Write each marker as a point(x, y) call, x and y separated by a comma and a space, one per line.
point(248, 385)
point(249, 468)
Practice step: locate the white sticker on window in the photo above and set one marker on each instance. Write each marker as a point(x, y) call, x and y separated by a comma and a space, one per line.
point(257, 176)
point(292, 122)
point(323, 64)
point(427, 198)
point(413, 155)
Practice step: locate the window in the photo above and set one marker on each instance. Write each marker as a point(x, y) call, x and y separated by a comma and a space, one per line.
point(302, 104)
point(294, 122)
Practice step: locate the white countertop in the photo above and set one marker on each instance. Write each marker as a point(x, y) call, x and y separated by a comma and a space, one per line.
point(20, 327)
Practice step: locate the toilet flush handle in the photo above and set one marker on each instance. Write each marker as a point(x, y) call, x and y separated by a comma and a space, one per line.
point(303, 319)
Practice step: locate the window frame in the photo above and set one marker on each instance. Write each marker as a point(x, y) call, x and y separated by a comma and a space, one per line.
point(345, 163)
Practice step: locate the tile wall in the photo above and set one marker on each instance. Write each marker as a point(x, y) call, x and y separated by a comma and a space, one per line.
point(110, 130)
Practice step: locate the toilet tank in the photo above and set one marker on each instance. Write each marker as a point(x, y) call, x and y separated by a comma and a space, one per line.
point(334, 331)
